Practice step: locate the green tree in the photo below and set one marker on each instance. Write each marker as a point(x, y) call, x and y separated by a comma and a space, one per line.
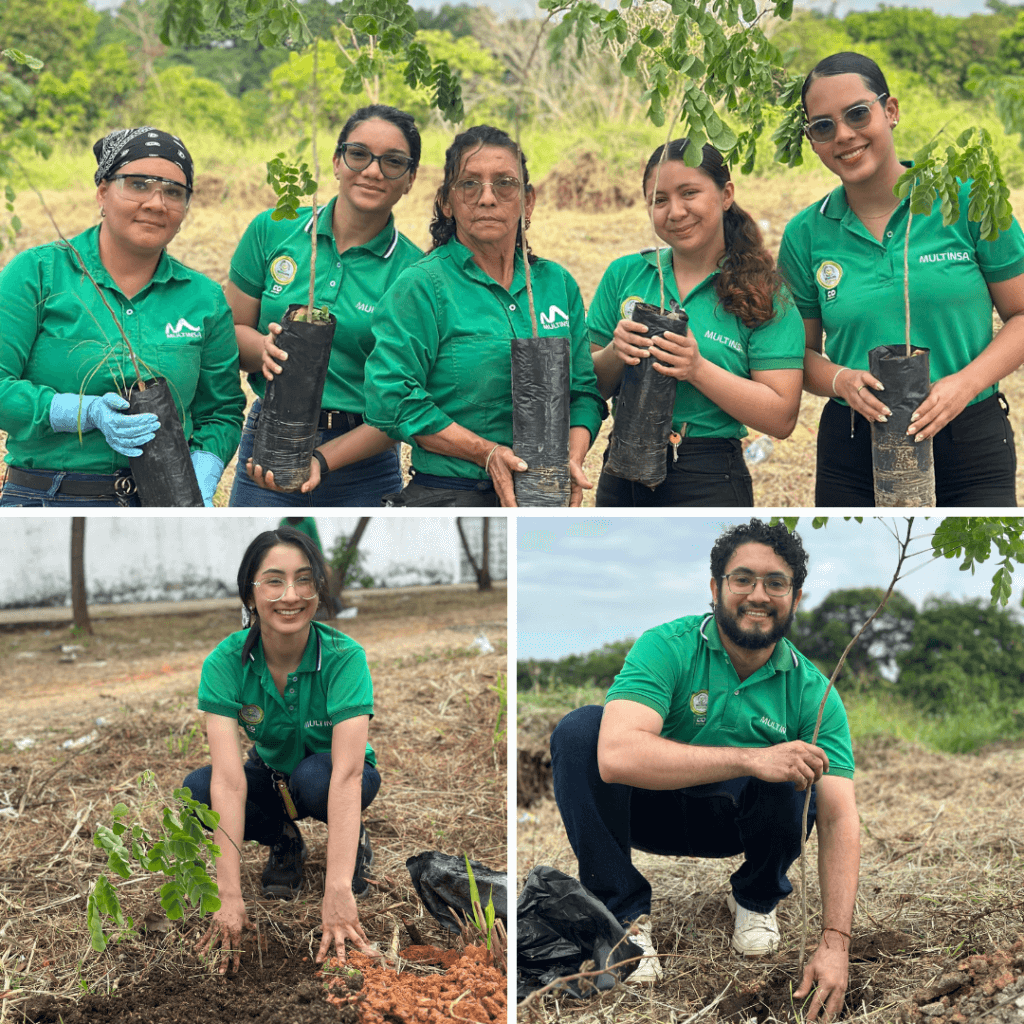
point(595, 668)
point(181, 102)
point(962, 653)
point(456, 19)
point(823, 632)
point(57, 32)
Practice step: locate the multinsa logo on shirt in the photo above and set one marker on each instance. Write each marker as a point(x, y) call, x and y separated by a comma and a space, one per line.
point(554, 318)
point(316, 723)
point(182, 329)
point(765, 720)
point(723, 339)
point(365, 307)
point(954, 256)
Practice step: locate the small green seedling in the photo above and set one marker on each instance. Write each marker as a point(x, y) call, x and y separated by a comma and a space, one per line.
point(483, 917)
point(178, 854)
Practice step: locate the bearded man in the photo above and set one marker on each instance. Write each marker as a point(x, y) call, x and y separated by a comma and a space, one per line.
point(703, 750)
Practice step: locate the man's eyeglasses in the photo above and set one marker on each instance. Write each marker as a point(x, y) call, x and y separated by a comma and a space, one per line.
point(775, 584)
point(358, 158)
point(823, 129)
point(275, 588)
point(140, 188)
point(470, 190)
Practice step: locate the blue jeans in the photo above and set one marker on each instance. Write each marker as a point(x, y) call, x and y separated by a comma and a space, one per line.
point(605, 821)
point(362, 484)
point(17, 496)
point(264, 811)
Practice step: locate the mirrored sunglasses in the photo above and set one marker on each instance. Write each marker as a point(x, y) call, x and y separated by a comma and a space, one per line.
point(823, 129)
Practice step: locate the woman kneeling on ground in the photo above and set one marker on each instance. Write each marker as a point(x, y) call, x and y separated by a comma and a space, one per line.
point(740, 360)
point(64, 364)
point(844, 257)
point(302, 693)
point(439, 376)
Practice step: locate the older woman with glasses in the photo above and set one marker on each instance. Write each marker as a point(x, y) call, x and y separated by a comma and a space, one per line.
point(67, 309)
point(360, 252)
point(844, 257)
point(439, 376)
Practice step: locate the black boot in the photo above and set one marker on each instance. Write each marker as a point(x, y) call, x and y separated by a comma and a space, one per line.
point(364, 861)
point(282, 877)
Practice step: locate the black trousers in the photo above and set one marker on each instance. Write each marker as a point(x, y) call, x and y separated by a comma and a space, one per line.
point(975, 459)
point(709, 471)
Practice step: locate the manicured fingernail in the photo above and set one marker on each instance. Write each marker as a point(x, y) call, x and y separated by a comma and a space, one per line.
point(883, 419)
point(914, 417)
point(522, 465)
point(888, 411)
point(880, 386)
point(920, 437)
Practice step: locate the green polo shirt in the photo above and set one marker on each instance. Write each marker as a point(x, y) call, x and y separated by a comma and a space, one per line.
point(306, 525)
point(443, 352)
point(682, 671)
point(271, 264)
point(721, 337)
point(56, 337)
point(843, 276)
point(331, 685)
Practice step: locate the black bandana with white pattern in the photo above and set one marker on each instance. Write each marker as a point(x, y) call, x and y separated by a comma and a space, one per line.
point(126, 145)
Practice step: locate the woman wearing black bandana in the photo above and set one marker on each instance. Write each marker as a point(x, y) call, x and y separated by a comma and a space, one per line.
point(63, 360)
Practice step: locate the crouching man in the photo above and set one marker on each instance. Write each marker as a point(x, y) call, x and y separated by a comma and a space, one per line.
point(703, 750)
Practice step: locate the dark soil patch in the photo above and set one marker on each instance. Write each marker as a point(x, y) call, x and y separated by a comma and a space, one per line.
point(284, 990)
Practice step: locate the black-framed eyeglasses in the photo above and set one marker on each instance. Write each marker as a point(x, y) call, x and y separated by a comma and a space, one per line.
point(140, 188)
point(775, 583)
point(358, 158)
point(470, 190)
point(274, 588)
point(823, 129)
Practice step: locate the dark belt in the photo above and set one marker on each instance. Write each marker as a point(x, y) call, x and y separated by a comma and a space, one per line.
point(335, 419)
point(118, 485)
point(451, 483)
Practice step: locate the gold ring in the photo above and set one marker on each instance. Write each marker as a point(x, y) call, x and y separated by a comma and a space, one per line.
point(861, 388)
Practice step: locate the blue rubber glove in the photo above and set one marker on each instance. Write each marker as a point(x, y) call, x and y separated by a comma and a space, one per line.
point(123, 433)
point(208, 470)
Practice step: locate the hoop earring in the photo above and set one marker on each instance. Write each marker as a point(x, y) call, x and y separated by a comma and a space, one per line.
point(103, 211)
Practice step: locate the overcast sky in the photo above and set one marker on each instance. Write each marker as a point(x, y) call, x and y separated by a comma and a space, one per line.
point(582, 583)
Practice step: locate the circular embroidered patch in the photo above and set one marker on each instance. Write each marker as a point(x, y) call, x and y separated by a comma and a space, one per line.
point(282, 270)
point(829, 274)
point(251, 714)
point(699, 702)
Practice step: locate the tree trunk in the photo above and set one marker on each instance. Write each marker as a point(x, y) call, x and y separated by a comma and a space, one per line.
point(482, 571)
point(338, 576)
point(78, 603)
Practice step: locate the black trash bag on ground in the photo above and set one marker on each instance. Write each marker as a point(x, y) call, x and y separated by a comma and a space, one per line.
point(559, 924)
point(442, 882)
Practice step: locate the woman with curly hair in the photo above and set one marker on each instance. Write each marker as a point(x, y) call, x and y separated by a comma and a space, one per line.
point(439, 376)
point(740, 360)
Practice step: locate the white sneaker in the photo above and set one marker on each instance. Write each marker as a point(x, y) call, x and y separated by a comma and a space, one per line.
point(648, 970)
point(754, 934)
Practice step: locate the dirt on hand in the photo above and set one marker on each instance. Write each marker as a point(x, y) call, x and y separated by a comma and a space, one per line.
point(471, 989)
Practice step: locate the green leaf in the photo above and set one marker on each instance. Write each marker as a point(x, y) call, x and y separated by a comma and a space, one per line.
point(32, 63)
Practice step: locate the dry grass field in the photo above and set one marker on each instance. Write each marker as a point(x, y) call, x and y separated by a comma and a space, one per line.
point(585, 239)
point(941, 859)
point(443, 768)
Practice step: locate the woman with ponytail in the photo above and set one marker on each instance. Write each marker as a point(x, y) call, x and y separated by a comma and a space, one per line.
point(740, 360)
point(302, 693)
point(439, 376)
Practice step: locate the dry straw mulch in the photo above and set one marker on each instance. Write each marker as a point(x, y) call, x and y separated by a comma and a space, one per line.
point(941, 855)
point(444, 788)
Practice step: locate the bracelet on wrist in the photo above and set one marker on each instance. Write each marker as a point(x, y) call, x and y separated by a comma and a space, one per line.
point(835, 378)
point(324, 468)
point(487, 461)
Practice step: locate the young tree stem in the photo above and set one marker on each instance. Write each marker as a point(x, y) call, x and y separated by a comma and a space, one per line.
point(903, 546)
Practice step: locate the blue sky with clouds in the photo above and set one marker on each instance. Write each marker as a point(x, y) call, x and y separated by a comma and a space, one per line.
point(584, 582)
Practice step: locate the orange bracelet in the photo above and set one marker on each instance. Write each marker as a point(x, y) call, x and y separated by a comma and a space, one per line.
point(841, 932)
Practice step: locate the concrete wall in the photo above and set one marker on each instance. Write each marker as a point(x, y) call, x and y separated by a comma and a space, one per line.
point(141, 558)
